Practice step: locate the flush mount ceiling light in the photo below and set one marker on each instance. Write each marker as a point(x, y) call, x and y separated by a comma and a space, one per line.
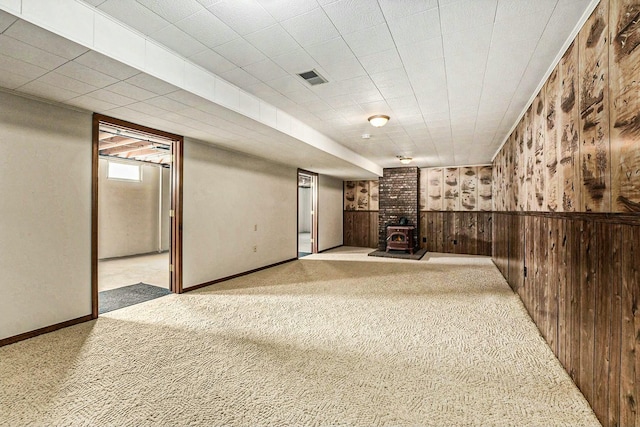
point(378, 120)
point(404, 160)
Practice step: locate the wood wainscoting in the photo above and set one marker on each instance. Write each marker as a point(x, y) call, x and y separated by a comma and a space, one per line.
point(456, 232)
point(360, 228)
point(578, 275)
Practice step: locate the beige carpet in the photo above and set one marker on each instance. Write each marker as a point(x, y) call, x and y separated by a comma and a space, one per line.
point(333, 339)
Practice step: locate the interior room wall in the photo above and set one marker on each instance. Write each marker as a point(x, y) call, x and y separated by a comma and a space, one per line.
point(361, 204)
point(226, 197)
point(567, 198)
point(128, 213)
point(329, 212)
point(304, 209)
point(45, 215)
point(166, 207)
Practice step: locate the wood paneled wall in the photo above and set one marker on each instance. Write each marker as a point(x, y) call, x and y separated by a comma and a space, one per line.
point(360, 216)
point(581, 288)
point(567, 211)
point(456, 232)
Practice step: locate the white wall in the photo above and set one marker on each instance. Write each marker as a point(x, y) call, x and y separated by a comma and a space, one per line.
point(304, 209)
point(329, 212)
point(45, 215)
point(166, 207)
point(225, 195)
point(128, 213)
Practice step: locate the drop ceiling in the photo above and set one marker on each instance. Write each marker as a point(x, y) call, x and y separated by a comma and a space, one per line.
point(453, 75)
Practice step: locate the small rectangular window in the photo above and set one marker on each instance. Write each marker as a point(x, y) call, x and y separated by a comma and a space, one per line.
point(124, 171)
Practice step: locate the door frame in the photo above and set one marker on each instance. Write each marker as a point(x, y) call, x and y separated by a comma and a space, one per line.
point(314, 211)
point(175, 252)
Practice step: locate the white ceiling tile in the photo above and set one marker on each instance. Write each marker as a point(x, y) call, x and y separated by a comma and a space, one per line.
point(85, 74)
point(61, 81)
point(520, 28)
point(240, 52)
point(131, 91)
point(316, 105)
point(178, 41)
point(239, 77)
point(6, 20)
point(10, 80)
point(17, 67)
point(382, 61)
point(27, 53)
point(47, 91)
point(311, 28)
point(45, 40)
point(243, 16)
point(414, 28)
point(296, 62)
point(212, 61)
point(188, 98)
point(92, 104)
point(332, 51)
point(167, 103)
point(344, 70)
point(134, 15)
point(287, 84)
point(261, 90)
point(152, 84)
point(397, 90)
point(370, 40)
point(302, 96)
point(265, 70)
point(514, 9)
point(207, 28)
point(285, 9)
point(466, 14)
point(469, 42)
point(273, 41)
point(106, 65)
point(353, 15)
point(111, 97)
point(172, 10)
point(396, 9)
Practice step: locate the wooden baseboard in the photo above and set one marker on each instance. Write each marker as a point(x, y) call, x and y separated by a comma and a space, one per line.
point(224, 279)
point(45, 330)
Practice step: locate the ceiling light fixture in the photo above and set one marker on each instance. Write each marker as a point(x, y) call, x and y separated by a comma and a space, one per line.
point(378, 120)
point(404, 160)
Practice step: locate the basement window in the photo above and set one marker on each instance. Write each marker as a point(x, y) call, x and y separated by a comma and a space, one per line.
point(124, 171)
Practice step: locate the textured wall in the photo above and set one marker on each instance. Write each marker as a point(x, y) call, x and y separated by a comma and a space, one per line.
point(466, 188)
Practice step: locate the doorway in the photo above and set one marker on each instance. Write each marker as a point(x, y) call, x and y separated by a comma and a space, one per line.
point(307, 213)
point(136, 214)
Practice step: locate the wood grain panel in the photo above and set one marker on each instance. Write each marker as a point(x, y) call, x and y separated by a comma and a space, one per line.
point(373, 229)
point(552, 98)
point(423, 186)
point(630, 328)
point(539, 127)
point(575, 237)
point(521, 175)
point(624, 92)
point(362, 195)
point(568, 127)
point(529, 159)
point(435, 199)
point(603, 318)
point(347, 228)
point(564, 296)
point(594, 111)
point(588, 262)
point(451, 188)
point(615, 281)
point(469, 188)
point(484, 189)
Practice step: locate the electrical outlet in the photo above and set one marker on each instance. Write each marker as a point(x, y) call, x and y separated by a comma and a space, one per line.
point(424, 240)
point(455, 241)
point(255, 249)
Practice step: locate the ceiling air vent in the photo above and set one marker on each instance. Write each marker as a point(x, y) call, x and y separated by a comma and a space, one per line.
point(313, 78)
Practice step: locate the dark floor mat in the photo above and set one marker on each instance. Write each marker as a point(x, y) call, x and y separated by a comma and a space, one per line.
point(129, 295)
point(400, 254)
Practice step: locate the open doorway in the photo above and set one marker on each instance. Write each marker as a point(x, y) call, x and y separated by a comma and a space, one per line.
point(136, 218)
point(307, 213)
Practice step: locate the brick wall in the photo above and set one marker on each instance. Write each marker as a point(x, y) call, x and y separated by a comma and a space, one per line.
point(399, 189)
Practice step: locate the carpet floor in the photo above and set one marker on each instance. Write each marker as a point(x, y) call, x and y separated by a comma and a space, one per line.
point(337, 338)
point(115, 299)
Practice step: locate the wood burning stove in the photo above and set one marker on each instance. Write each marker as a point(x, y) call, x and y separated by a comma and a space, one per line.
point(400, 238)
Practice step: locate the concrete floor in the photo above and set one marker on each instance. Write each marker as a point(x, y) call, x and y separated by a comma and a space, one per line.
point(151, 269)
point(304, 243)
